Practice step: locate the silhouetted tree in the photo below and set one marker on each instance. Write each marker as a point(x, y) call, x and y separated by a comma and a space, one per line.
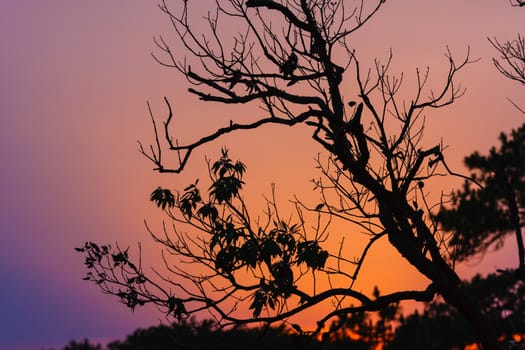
point(483, 214)
point(501, 299)
point(83, 345)
point(291, 58)
point(356, 332)
point(438, 328)
point(193, 335)
point(365, 330)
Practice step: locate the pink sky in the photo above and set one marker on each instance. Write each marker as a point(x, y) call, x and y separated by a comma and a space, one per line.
point(75, 78)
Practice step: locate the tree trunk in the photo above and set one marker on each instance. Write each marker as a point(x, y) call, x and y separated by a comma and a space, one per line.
point(515, 220)
point(439, 272)
point(456, 297)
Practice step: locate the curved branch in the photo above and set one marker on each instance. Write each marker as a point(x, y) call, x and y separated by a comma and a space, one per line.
point(220, 132)
point(382, 302)
point(272, 5)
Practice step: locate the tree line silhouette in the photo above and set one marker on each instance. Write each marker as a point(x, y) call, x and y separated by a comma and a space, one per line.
point(438, 326)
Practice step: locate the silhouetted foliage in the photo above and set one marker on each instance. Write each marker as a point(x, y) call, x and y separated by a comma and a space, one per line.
point(365, 330)
point(482, 214)
point(189, 335)
point(501, 299)
point(294, 60)
point(83, 345)
point(362, 331)
point(437, 328)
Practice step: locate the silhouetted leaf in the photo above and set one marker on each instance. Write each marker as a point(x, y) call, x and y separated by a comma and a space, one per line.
point(259, 301)
point(264, 296)
point(208, 211)
point(189, 200)
point(249, 252)
point(269, 249)
point(225, 188)
point(226, 259)
point(163, 197)
point(240, 168)
point(287, 241)
point(283, 275)
point(297, 328)
point(171, 304)
point(310, 253)
point(120, 258)
point(376, 292)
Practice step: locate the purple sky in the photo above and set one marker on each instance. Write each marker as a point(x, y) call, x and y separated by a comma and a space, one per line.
point(74, 80)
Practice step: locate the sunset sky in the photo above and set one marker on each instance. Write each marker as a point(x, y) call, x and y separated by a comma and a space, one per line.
point(75, 77)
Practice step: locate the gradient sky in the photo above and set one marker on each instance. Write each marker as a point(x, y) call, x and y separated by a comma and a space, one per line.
point(74, 80)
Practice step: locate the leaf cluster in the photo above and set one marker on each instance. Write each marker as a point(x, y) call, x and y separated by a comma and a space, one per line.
point(108, 266)
point(163, 198)
point(232, 244)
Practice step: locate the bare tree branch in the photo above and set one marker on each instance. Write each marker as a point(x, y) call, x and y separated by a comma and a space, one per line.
point(511, 63)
